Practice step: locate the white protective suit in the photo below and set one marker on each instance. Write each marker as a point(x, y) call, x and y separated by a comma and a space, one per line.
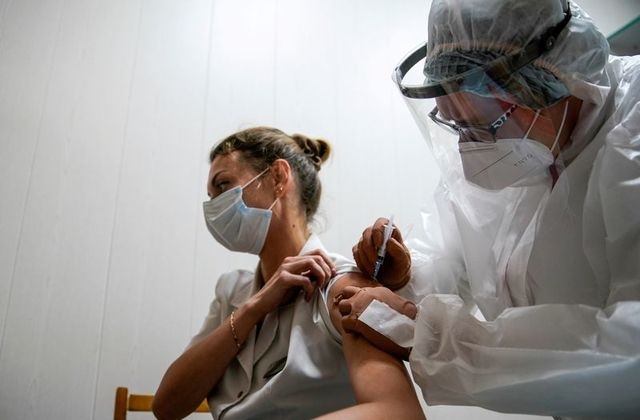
point(554, 271)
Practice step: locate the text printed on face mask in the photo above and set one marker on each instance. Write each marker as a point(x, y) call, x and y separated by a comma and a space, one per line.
point(524, 160)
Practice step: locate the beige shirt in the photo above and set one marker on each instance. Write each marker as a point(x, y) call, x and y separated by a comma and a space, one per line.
point(294, 367)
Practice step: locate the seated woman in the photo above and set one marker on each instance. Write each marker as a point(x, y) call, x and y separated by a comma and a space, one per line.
point(272, 345)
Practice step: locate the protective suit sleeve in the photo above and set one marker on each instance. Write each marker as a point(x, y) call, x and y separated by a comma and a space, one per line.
point(546, 359)
point(554, 359)
point(436, 264)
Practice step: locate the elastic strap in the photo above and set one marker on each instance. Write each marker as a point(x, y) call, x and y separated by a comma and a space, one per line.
point(555, 143)
point(255, 177)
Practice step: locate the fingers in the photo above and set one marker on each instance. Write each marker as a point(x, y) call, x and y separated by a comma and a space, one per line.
point(317, 268)
point(344, 306)
point(396, 249)
point(348, 301)
point(308, 272)
point(303, 282)
point(350, 324)
point(395, 271)
point(324, 260)
point(399, 254)
point(366, 250)
point(350, 291)
point(362, 260)
point(325, 257)
point(397, 235)
point(377, 232)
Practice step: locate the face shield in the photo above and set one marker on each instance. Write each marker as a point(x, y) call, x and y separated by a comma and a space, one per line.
point(479, 110)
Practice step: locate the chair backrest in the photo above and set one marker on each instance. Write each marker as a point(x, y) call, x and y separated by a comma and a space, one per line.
point(126, 402)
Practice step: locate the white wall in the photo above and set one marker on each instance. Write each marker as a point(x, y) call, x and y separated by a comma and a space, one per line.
point(107, 111)
point(611, 16)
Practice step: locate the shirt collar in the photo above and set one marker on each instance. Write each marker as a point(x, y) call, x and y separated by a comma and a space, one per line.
point(313, 242)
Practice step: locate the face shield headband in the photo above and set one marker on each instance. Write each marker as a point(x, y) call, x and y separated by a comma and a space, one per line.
point(497, 71)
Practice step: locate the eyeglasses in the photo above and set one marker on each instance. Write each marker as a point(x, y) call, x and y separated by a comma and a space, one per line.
point(473, 132)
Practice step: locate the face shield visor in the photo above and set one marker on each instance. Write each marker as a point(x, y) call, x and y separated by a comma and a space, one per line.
point(478, 121)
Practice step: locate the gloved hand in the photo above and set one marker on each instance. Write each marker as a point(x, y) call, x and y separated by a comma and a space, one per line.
point(387, 322)
point(396, 269)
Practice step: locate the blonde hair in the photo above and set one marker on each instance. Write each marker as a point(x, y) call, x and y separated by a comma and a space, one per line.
point(261, 146)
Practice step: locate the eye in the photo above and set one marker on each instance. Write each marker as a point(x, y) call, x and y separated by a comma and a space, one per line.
point(221, 185)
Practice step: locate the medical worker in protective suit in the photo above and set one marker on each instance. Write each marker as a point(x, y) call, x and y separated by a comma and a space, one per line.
point(528, 279)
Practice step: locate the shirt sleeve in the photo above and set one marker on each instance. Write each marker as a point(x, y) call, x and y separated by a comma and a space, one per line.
point(323, 305)
point(214, 317)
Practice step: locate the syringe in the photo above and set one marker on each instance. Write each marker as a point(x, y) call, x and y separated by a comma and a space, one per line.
point(382, 251)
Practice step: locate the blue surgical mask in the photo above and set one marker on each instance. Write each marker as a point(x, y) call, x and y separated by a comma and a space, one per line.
point(233, 224)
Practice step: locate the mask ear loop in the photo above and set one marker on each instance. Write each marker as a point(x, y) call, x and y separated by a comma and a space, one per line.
point(526, 135)
point(564, 116)
point(553, 169)
point(278, 191)
point(255, 177)
point(258, 176)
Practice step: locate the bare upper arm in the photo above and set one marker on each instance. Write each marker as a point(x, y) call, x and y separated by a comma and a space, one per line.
point(368, 365)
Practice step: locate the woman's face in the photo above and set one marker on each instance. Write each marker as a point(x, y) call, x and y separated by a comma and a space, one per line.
point(229, 171)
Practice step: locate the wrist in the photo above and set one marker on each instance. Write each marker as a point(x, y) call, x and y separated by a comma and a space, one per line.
point(252, 310)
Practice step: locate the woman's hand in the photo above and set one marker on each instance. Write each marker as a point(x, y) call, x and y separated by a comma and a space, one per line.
point(300, 273)
point(396, 269)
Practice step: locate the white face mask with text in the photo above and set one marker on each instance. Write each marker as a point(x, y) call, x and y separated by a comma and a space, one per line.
point(506, 162)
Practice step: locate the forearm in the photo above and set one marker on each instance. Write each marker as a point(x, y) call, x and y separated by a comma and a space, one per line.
point(191, 376)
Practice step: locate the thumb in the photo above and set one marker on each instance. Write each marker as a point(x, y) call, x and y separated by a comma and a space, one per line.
point(350, 324)
point(397, 251)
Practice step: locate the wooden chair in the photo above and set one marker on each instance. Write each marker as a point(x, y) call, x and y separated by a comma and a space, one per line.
point(126, 402)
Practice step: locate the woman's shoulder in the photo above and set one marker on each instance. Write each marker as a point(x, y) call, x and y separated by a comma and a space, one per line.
point(342, 263)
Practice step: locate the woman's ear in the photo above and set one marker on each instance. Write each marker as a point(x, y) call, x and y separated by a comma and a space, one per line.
point(282, 175)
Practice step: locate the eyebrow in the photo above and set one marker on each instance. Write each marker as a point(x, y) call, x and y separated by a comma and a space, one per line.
point(217, 174)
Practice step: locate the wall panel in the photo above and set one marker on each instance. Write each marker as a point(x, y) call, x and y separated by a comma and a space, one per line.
point(151, 266)
point(107, 113)
point(25, 66)
point(89, 138)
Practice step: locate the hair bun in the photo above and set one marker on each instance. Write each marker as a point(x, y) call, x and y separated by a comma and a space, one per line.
point(316, 150)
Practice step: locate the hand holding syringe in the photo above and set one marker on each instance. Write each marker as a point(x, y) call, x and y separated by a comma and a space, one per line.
point(382, 243)
point(382, 251)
